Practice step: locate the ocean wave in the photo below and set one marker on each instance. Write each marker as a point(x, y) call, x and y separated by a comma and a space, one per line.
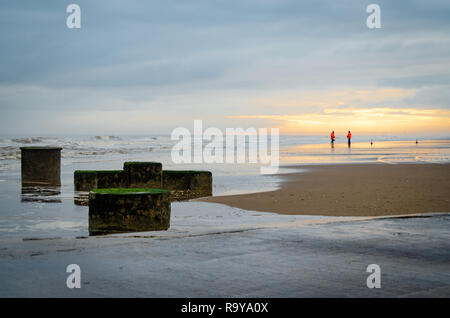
point(9, 156)
point(8, 148)
point(27, 140)
point(107, 138)
point(9, 152)
point(88, 147)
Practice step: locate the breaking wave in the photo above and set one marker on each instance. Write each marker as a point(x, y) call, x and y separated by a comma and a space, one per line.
point(30, 140)
point(82, 146)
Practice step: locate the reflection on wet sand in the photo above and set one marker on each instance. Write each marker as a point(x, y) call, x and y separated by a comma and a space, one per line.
point(432, 151)
point(81, 198)
point(41, 194)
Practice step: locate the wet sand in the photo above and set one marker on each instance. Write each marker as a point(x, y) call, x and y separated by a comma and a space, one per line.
point(353, 190)
point(238, 254)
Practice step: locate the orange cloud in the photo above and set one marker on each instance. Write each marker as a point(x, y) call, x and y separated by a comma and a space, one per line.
point(345, 109)
point(381, 120)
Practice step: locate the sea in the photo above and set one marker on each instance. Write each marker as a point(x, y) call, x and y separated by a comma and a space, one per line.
point(50, 213)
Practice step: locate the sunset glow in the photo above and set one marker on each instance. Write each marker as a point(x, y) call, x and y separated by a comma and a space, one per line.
point(364, 121)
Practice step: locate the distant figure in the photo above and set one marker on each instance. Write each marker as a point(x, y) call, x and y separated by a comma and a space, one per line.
point(371, 142)
point(417, 141)
point(349, 137)
point(332, 137)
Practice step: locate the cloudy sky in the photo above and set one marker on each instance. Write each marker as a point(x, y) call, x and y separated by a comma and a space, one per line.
point(148, 67)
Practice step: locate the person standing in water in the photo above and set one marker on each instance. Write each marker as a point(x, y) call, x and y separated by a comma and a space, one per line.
point(332, 137)
point(349, 137)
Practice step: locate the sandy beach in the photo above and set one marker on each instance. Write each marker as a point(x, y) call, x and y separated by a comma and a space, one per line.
point(353, 190)
point(218, 250)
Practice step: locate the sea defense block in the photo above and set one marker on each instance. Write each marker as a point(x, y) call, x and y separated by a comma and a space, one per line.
point(128, 210)
point(143, 174)
point(188, 184)
point(87, 180)
point(134, 175)
point(111, 179)
point(41, 166)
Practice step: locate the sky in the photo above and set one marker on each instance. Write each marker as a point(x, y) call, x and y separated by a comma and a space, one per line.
point(147, 67)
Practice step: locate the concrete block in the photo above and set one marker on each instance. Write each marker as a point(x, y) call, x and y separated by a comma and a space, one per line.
point(128, 210)
point(41, 166)
point(143, 174)
point(187, 184)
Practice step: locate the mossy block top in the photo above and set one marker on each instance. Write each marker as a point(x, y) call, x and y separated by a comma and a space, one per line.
point(85, 171)
point(109, 171)
point(142, 163)
point(122, 191)
point(97, 171)
point(40, 148)
point(185, 171)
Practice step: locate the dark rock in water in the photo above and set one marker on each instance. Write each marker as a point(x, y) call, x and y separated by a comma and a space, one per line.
point(128, 210)
point(143, 174)
point(187, 184)
point(41, 166)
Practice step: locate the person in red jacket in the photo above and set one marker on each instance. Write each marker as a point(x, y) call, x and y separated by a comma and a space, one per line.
point(332, 136)
point(349, 137)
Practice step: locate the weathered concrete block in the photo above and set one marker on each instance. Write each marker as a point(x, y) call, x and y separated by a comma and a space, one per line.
point(41, 166)
point(187, 184)
point(128, 210)
point(111, 179)
point(143, 174)
point(87, 180)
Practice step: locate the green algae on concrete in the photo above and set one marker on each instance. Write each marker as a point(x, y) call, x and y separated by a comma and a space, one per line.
point(125, 191)
point(134, 175)
point(41, 166)
point(111, 179)
point(187, 184)
point(143, 174)
point(183, 184)
point(120, 210)
point(86, 180)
